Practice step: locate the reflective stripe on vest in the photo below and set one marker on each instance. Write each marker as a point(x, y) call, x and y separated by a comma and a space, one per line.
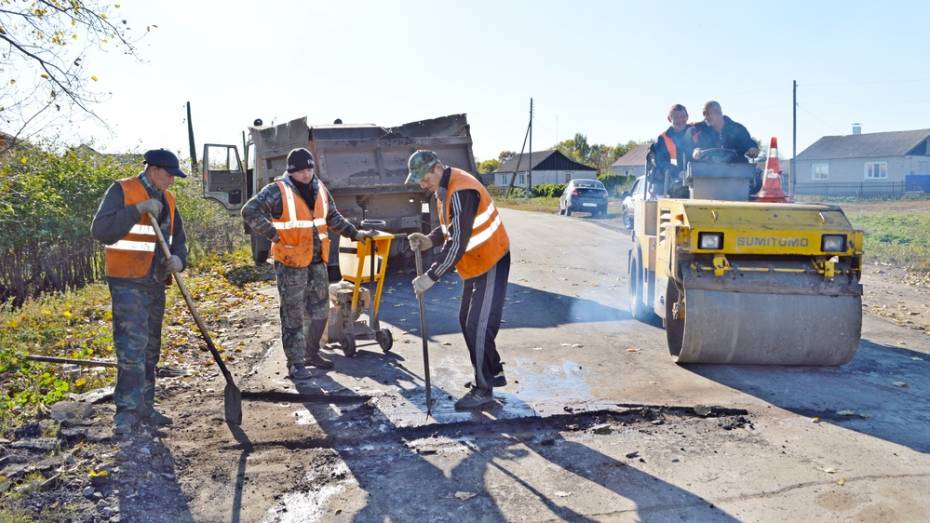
point(672, 148)
point(488, 242)
point(132, 255)
point(296, 224)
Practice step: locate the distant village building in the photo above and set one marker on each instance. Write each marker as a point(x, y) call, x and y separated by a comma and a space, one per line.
point(633, 163)
point(871, 163)
point(548, 167)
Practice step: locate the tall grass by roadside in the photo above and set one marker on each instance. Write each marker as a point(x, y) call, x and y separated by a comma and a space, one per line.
point(78, 324)
point(897, 237)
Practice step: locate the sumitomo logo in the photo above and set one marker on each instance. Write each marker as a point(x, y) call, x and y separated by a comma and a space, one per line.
point(763, 241)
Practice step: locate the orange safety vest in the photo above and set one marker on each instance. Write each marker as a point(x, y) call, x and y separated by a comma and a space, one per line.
point(672, 148)
point(489, 241)
point(296, 227)
point(132, 255)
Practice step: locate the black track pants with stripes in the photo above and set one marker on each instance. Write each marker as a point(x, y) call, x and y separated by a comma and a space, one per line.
point(480, 317)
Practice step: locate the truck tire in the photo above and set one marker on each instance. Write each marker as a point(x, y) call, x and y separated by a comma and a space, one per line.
point(260, 249)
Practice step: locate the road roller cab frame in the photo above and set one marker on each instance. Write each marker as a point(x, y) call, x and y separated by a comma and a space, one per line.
point(742, 282)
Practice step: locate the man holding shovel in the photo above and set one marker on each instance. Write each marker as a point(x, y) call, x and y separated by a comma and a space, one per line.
point(296, 213)
point(137, 273)
point(473, 241)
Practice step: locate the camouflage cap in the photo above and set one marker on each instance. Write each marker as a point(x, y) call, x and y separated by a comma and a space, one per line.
point(419, 163)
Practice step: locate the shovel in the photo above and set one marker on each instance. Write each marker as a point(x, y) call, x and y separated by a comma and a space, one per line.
point(232, 397)
point(429, 390)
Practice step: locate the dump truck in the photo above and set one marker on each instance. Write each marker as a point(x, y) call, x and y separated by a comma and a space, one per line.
point(363, 166)
point(735, 281)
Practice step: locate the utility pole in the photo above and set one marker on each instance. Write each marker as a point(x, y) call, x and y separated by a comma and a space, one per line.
point(794, 137)
point(529, 185)
point(190, 139)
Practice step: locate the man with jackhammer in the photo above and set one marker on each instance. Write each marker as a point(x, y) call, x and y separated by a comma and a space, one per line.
point(295, 213)
point(475, 243)
point(137, 274)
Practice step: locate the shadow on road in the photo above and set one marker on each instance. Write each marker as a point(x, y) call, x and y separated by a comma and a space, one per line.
point(526, 307)
point(883, 392)
point(403, 484)
point(150, 490)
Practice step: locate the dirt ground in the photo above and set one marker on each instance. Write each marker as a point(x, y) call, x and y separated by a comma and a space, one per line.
point(595, 424)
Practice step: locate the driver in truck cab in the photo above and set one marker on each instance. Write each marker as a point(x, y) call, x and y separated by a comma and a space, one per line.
point(720, 132)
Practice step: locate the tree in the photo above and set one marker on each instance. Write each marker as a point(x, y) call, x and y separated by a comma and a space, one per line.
point(488, 166)
point(505, 155)
point(576, 148)
point(596, 155)
point(46, 44)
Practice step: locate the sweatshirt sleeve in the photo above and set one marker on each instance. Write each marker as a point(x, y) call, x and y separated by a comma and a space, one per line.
point(112, 220)
point(258, 212)
point(464, 208)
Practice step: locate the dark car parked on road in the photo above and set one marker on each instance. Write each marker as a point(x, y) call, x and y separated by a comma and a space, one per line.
point(585, 196)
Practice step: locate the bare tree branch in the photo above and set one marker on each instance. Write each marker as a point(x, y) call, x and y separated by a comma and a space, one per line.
point(41, 37)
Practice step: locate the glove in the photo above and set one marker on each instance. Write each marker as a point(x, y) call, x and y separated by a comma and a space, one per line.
point(151, 205)
point(276, 238)
point(422, 283)
point(419, 241)
point(365, 234)
point(173, 264)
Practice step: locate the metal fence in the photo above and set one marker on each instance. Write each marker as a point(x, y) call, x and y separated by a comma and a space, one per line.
point(858, 190)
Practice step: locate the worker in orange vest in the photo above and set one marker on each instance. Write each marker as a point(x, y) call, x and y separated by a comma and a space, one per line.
point(673, 151)
point(137, 274)
point(296, 212)
point(476, 244)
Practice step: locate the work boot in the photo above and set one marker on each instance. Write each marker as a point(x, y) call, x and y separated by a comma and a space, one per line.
point(297, 371)
point(156, 419)
point(124, 423)
point(318, 361)
point(474, 399)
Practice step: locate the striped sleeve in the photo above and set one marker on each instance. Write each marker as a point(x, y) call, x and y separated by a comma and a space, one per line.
point(464, 207)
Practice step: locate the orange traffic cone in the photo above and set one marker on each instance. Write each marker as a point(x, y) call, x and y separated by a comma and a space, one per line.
point(771, 181)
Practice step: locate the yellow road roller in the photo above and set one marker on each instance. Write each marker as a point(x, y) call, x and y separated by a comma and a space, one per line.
point(736, 281)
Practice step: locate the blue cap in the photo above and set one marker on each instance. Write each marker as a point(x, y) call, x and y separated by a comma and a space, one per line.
point(166, 160)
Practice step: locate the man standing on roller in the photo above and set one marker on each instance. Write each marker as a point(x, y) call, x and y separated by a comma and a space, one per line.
point(475, 243)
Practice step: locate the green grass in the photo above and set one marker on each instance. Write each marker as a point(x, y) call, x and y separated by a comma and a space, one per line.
point(78, 324)
point(537, 204)
point(897, 237)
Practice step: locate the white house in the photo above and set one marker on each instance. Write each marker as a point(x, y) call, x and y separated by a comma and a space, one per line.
point(633, 163)
point(865, 163)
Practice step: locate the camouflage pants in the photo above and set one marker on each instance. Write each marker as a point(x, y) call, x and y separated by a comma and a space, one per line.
point(137, 317)
point(304, 298)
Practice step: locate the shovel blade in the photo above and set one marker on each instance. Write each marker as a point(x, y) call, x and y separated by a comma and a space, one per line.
point(232, 404)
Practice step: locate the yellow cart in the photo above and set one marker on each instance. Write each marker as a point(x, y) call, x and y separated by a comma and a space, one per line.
point(363, 266)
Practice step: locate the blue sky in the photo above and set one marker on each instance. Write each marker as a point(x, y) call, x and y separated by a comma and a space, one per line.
point(607, 69)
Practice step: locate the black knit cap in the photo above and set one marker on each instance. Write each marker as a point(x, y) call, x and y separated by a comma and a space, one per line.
point(299, 159)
